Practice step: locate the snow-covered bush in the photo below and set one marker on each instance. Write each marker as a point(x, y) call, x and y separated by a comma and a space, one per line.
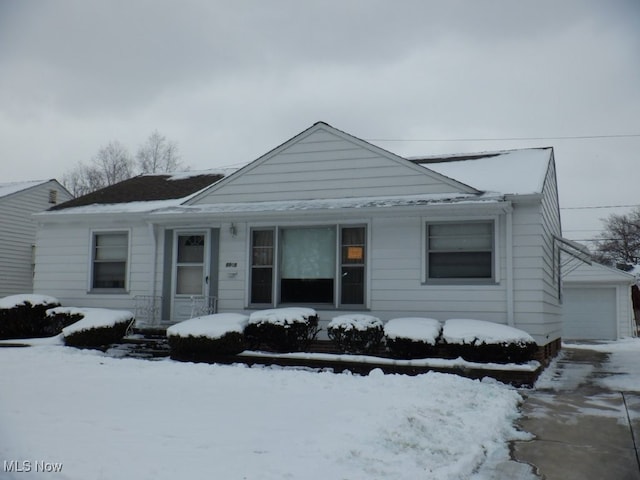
point(480, 341)
point(356, 333)
point(97, 327)
point(282, 329)
point(412, 337)
point(209, 337)
point(24, 316)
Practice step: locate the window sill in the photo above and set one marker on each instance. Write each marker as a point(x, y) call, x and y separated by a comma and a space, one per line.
point(108, 291)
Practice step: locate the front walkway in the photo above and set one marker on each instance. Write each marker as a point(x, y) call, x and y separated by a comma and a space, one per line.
point(583, 429)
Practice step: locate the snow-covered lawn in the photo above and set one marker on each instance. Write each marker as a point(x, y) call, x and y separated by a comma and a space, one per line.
point(107, 418)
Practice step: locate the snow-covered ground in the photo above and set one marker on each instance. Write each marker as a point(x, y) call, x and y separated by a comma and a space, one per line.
point(624, 361)
point(107, 418)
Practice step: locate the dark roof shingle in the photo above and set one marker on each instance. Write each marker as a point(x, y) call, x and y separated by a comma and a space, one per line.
point(145, 188)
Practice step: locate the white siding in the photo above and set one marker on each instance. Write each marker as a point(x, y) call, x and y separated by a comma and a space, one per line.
point(63, 264)
point(18, 235)
point(324, 165)
point(536, 299)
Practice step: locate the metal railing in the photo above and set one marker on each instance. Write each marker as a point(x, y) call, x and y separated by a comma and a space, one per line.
point(147, 310)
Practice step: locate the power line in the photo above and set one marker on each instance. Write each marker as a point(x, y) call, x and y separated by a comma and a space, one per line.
point(599, 206)
point(568, 137)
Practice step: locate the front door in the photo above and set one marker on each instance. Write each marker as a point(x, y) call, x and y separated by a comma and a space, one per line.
point(190, 283)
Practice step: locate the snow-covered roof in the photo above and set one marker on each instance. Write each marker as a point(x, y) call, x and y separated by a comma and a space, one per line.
point(516, 172)
point(15, 187)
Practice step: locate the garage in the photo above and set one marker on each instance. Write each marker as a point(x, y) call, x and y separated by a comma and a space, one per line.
point(589, 313)
point(597, 303)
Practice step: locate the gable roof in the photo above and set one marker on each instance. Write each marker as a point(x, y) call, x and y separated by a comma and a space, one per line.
point(147, 188)
point(509, 172)
point(7, 189)
point(322, 162)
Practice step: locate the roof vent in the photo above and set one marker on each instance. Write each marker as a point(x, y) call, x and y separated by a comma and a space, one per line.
point(53, 196)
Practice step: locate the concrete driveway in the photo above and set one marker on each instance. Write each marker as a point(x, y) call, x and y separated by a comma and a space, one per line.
point(585, 426)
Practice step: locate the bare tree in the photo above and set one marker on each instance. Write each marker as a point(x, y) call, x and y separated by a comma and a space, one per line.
point(112, 164)
point(619, 244)
point(158, 155)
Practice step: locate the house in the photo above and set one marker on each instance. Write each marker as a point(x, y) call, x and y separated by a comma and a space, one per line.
point(324, 220)
point(18, 201)
point(597, 303)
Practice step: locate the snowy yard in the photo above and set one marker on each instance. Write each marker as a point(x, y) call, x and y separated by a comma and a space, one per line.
point(107, 418)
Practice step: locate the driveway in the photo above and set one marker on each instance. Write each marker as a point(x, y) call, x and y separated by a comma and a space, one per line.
point(585, 416)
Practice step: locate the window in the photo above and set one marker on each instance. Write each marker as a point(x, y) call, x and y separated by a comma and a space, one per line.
point(352, 266)
point(460, 251)
point(262, 242)
point(322, 265)
point(110, 254)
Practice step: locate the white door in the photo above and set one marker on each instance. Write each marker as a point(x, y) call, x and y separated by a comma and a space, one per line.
point(590, 313)
point(190, 273)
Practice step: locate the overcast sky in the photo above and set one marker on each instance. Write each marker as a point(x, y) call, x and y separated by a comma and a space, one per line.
point(228, 81)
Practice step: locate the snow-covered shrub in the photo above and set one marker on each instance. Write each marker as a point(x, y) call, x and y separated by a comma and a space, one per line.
point(480, 341)
point(356, 333)
point(97, 327)
point(412, 337)
point(209, 337)
point(24, 316)
point(282, 329)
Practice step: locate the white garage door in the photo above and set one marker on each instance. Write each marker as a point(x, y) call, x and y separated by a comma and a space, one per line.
point(589, 313)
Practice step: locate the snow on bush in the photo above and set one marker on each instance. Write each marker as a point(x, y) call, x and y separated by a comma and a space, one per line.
point(356, 333)
point(481, 341)
point(96, 328)
point(210, 326)
point(419, 329)
point(13, 301)
point(282, 329)
point(476, 332)
point(24, 316)
point(208, 337)
point(412, 337)
point(282, 316)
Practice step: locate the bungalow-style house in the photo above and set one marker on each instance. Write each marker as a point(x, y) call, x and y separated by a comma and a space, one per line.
point(324, 220)
point(18, 201)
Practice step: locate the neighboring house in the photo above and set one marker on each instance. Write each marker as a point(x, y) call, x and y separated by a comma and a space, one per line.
point(597, 303)
point(330, 221)
point(18, 201)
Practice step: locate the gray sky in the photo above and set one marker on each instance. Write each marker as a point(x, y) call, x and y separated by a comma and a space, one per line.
point(228, 81)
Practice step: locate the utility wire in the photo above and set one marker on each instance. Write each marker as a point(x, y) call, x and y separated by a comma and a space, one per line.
point(599, 206)
point(568, 137)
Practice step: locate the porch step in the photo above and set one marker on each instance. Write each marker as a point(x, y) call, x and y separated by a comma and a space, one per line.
point(151, 345)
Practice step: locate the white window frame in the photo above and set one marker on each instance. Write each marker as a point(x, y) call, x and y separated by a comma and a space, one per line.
point(495, 254)
point(92, 250)
point(277, 228)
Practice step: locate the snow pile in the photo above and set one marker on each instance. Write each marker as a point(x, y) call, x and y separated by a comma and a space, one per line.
point(92, 318)
point(355, 321)
point(477, 332)
point(282, 316)
point(210, 326)
point(418, 329)
point(13, 301)
point(112, 414)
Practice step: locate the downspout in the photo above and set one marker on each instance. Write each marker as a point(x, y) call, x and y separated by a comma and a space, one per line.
point(510, 301)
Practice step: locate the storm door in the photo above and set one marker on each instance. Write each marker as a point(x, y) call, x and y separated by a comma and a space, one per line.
point(190, 273)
